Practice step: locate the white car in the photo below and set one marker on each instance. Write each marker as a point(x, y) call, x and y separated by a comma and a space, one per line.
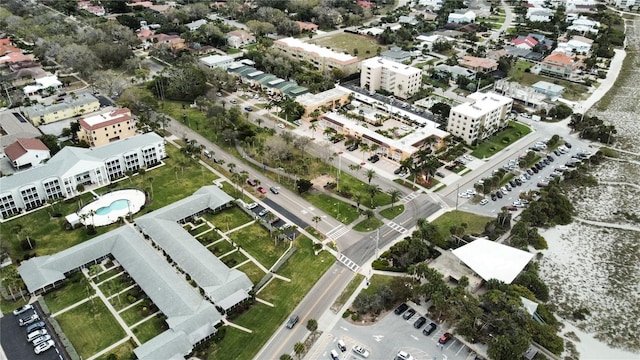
point(36, 334)
point(403, 355)
point(471, 192)
point(41, 339)
point(464, 195)
point(484, 202)
point(19, 311)
point(43, 347)
point(281, 126)
point(361, 351)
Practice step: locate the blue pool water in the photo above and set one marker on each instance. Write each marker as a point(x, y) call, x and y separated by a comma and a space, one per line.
point(116, 205)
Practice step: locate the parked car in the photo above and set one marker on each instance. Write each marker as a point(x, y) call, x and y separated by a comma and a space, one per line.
point(374, 159)
point(518, 181)
point(20, 310)
point(251, 206)
point(499, 194)
point(513, 183)
point(35, 326)
point(28, 319)
point(439, 174)
point(494, 197)
point(293, 320)
point(359, 350)
point(445, 338)
point(353, 147)
point(420, 322)
point(567, 145)
point(408, 314)
point(39, 340)
point(261, 190)
point(251, 182)
point(512, 208)
point(403, 355)
point(534, 169)
point(429, 329)
point(342, 346)
point(550, 158)
point(484, 202)
point(43, 347)
point(233, 101)
point(397, 171)
point(248, 109)
point(263, 212)
point(274, 190)
point(401, 308)
point(36, 334)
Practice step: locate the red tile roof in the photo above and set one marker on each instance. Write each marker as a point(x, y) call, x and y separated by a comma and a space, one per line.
point(559, 57)
point(21, 146)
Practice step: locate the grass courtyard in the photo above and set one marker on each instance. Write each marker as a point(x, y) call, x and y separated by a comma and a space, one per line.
point(349, 43)
point(501, 140)
point(90, 327)
point(475, 223)
point(255, 239)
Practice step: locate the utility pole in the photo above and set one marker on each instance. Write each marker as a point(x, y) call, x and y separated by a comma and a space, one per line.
point(457, 196)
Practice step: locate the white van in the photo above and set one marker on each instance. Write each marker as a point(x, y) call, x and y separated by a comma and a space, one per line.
point(334, 355)
point(342, 346)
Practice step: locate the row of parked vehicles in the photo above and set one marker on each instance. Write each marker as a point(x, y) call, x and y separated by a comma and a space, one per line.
point(407, 313)
point(37, 333)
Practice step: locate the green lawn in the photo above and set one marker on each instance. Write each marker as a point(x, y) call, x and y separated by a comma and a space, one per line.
point(121, 301)
point(391, 212)
point(501, 140)
point(304, 269)
point(353, 185)
point(347, 292)
point(229, 218)
point(136, 313)
point(375, 282)
point(252, 270)
point(221, 247)
point(150, 328)
point(339, 210)
point(475, 223)
point(366, 47)
point(124, 351)
point(116, 285)
point(74, 289)
point(105, 275)
point(256, 241)
point(234, 259)
point(90, 327)
point(367, 225)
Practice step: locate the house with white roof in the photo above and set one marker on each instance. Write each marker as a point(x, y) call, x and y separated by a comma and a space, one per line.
point(323, 59)
point(577, 45)
point(427, 41)
point(48, 83)
point(195, 25)
point(462, 16)
point(434, 5)
point(539, 14)
point(216, 61)
point(71, 166)
point(583, 25)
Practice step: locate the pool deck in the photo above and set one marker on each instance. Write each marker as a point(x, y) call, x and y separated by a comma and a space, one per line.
point(136, 200)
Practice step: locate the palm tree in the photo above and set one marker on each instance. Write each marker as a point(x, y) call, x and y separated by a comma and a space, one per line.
point(231, 166)
point(395, 195)
point(299, 348)
point(357, 197)
point(313, 127)
point(355, 167)
point(365, 149)
point(373, 190)
point(244, 176)
point(371, 174)
point(316, 219)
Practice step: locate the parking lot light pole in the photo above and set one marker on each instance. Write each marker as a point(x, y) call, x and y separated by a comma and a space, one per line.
point(457, 196)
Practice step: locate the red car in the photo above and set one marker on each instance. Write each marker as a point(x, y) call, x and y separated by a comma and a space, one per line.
point(262, 190)
point(445, 338)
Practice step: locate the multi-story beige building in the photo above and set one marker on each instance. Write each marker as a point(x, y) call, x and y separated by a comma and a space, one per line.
point(316, 105)
point(101, 129)
point(401, 80)
point(322, 58)
point(480, 118)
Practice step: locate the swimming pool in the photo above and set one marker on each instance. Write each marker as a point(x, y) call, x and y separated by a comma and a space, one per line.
point(110, 207)
point(114, 206)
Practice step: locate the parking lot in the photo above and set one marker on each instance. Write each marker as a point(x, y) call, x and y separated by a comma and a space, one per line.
point(14, 339)
point(261, 212)
point(389, 335)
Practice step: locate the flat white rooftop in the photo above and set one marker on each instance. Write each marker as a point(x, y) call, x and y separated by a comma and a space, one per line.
point(481, 103)
point(319, 50)
point(377, 62)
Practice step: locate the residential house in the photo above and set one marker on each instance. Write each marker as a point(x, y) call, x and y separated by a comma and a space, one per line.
point(433, 5)
point(101, 129)
point(478, 64)
point(60, 176)
point(239, 38)
point(625, 3)
point(397, 54)
point(174, 42)
point(268, 82)
point(83, 103)
point(366, 4)
point(216, 61)
point(195, 25)
point(306, 26)
point(577, 45)
point(539, 14)
point(462, 17)
point(398, 79)
point(573, 6)
point(552, 90)
point(144, 34)
point(427, 41)
point(322, 58)
point(161, 8)
point(480, 118)
point(409, 20)
point(97, 10)
point(558, 65)
point(9, 54)
point(525, 53)
point(44, 84)
point(320, 103)
point(542, 40)
point(27, 152)
point(583, 25)
point(524, 42)
point(455, 71)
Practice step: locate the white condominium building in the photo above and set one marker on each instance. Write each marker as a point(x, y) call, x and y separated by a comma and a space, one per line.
point(480, 118)
point(322, 58)
point(401, 80)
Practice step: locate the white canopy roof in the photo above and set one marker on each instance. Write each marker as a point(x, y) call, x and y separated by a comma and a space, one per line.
point(492, 260)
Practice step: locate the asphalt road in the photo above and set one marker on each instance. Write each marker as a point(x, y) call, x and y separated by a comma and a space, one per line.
point(315, 303)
